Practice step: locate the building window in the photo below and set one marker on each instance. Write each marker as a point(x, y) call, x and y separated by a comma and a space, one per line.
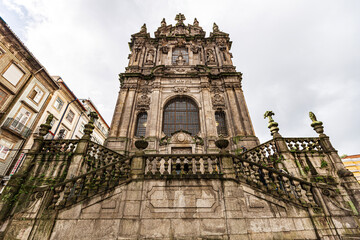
point(180, 56)
point(13, 74)
point(58, 104)
point(82, 127)
point(36, 94)
point(220, 123)
point(70, 116)
point(141, 124)
point(181, 114)
point(62, 133)
point(20, 120)
point(3, 96)
point(5, 147)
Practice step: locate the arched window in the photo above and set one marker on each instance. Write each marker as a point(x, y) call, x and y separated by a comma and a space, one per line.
point(141, 124)
point(220, 123)
point(181, 114)
point(180, 56)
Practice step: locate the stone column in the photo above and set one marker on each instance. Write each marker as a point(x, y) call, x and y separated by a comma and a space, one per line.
point(208, 127)
point(153, 114)
point(124, 124)
point(244, 112)
point(115, 124)
point(234, 113)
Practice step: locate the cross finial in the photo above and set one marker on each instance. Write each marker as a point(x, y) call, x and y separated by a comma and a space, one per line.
point(180, 18)
point(269, 114)
point(317, 125)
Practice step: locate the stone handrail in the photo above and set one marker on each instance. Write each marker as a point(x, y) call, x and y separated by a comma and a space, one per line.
point(97, 156)
point(89, 184)
point(275, 182)
point(264, 153)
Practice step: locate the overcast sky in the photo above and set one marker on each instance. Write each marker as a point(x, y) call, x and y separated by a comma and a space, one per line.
point(295, 56)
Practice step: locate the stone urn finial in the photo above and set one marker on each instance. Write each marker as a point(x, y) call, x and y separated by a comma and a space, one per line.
point(143, 29)
point(163, 23)
point(89, 127)
point(273, 126)
point(141, 144)
point(44, 128)
point(222, 143)
point(316, 125)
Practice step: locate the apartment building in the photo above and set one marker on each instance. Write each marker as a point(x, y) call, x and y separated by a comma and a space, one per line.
point(26, 89)
point(352, 163)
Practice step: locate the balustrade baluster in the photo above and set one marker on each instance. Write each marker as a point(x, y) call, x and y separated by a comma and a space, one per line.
point(206, 165)
point(66, 195)
point(173, 166)
point(266, 182)
point(166, 165)
point(309, 195)
point(278, 184)
point(287, 187)
point(214, 166)
point(157, 161)
point(247, 172)
point(190, 165)
point(182, 163)
point(150, 166)
point(56, 196)
point(197, 165)
point(255, 174)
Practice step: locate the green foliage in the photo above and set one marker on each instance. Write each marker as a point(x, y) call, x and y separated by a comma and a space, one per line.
point(324, 163)
point(319, 179)
point(306, 169)
point(237, 139)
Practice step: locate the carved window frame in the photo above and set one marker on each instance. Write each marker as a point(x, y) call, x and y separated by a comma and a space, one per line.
point(176, 52)
point(141, 123)
point(221, 126)
point(188, 120)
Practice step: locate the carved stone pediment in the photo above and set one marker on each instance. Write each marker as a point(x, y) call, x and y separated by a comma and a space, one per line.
point(143, 102)
point(181, 137)
point(218, 101)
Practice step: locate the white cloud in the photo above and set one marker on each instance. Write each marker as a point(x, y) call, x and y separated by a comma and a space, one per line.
point(296, 56)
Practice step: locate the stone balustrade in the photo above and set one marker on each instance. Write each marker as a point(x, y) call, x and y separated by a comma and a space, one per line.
point(272, 181)
point(304, 144)
point(51, 147)
point(97, 156)
point(265, 153)
point(182, 166)
point(89, 184)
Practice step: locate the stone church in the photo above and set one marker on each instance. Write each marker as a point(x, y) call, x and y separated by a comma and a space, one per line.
point(184, 88)
point(182, 160)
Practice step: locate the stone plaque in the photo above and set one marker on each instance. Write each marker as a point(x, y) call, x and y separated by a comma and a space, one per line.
point(180, 199)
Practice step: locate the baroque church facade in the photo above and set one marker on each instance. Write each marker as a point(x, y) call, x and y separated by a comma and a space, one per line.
point(184, 88)
point(181, 161)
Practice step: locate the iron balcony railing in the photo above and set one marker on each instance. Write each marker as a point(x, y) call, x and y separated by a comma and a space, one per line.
point(17, 127)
